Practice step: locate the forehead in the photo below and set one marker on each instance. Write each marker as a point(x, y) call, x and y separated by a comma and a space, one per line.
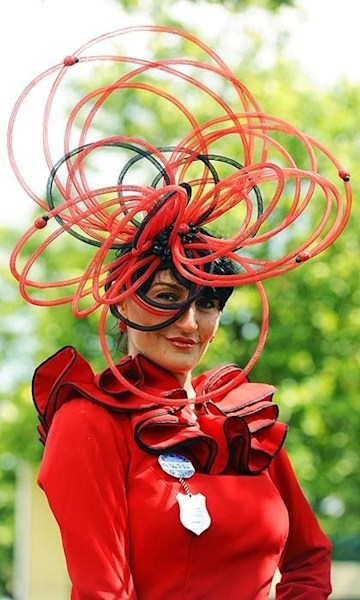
point(167, 278)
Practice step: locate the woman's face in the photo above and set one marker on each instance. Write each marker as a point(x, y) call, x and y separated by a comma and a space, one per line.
point(180, 346)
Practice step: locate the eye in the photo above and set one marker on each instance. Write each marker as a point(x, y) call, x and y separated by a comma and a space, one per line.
point(208, 303)
point(165, 297)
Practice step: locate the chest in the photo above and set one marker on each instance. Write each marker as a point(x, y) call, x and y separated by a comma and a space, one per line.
point(247, 533)
point(245, 511)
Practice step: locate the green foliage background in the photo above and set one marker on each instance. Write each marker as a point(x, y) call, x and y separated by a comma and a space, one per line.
point(312, 353)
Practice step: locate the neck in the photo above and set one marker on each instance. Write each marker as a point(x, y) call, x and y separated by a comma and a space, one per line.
point(184, 378)
point(185, 381)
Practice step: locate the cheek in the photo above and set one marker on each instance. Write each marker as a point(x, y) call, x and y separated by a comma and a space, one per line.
point(136, 314)
point(141, 342)
point(210, 326)
point(138, 337)
point(139, 315)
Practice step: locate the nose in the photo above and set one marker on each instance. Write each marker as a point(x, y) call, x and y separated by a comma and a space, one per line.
point(188, 321)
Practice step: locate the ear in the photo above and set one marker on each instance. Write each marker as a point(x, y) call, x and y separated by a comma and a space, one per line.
point(122, 307)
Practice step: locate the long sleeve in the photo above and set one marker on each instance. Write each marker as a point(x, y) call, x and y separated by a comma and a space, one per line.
point(83, 475)
point(306, 559)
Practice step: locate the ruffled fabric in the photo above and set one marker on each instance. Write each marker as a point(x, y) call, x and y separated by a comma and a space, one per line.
point(238, 432)
point(67, 375)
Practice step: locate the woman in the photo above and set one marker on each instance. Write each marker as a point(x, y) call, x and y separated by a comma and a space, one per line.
point(165, 485)
point(169, 501)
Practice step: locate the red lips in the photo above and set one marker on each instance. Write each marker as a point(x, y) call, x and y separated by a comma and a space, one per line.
point(181, 342)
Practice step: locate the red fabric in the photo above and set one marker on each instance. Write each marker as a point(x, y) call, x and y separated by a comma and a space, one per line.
point(119, 517)
point(306, 544)
point(244, 417)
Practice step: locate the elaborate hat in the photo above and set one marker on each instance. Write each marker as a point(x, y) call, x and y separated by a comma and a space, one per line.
point(215, 182)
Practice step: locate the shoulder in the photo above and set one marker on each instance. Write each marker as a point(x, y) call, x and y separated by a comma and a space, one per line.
point(66, 376)
point(61, 377)
point(83, 426)
point(284, 477)
point(83, 414)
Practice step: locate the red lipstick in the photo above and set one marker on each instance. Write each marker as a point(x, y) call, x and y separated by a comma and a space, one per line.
point(181, 342)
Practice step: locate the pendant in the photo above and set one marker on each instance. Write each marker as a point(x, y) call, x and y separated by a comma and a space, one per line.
point(193, 512)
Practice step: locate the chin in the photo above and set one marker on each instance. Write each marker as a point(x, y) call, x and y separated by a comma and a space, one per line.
point(179, 366)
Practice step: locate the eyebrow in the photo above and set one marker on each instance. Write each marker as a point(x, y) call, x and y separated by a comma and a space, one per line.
point(168, 284)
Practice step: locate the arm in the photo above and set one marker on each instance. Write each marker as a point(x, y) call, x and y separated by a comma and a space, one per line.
point(83, 475)
point(306, 559)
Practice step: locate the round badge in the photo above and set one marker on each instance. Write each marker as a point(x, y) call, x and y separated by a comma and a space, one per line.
point(176, 465)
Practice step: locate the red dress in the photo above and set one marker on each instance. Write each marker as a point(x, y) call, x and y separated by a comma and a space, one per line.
point(117, 509)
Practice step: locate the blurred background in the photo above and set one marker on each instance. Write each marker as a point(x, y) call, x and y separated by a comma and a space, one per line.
point(300, 59)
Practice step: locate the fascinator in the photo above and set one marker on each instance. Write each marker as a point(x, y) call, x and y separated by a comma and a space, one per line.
point(213, 192)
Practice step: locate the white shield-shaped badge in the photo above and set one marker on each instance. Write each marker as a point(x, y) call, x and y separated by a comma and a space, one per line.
point(193, 512)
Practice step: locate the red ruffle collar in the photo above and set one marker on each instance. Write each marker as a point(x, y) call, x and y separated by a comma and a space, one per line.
point(239, 432)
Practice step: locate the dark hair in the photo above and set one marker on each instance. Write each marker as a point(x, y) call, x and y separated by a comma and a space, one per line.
point(219, 266)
